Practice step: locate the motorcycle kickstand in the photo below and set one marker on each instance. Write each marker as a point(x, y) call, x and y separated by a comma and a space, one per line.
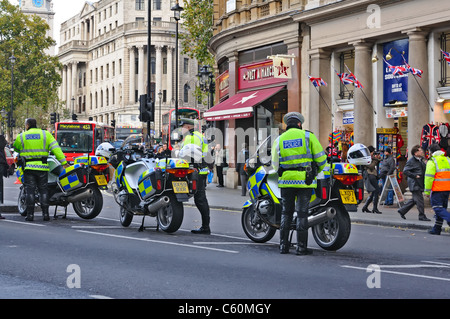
point(54, 215)
point(141, 229)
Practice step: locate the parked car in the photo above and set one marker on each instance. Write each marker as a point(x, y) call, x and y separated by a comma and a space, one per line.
point(9, 156)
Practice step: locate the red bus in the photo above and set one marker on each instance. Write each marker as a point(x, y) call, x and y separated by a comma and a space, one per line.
point(169, 123)
point(78, 138)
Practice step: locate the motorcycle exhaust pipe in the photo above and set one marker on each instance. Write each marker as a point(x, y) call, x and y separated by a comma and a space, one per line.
point(327, 214)
point(158, 204)
point(81, 196)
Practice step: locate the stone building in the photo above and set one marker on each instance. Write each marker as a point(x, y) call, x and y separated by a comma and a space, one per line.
point(104, 55)
point(322, 38)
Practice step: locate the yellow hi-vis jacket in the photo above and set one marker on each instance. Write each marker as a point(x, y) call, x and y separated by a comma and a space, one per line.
point(34, 145)
point(437, 173)
point(197, 138)
point(293, 151)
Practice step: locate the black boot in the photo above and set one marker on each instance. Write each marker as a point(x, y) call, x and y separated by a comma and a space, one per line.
point(375, 206)
point(46, 216)
point(302, 237)
point(284, 233)
point(365, 208)
point(202, 230)
point(30, 217)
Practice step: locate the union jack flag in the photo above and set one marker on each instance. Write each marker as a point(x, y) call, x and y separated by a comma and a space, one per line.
point(317, 81)
point(345, 78)
point(355, 81)
point(397, 70)
point(446, 56)
point(414, 71)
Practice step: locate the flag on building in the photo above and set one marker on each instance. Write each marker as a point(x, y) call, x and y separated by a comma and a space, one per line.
point(412, 70)
point(317, 81)
point(446, 56)
point(356, 83)
point(344, 77)
point(396, 70)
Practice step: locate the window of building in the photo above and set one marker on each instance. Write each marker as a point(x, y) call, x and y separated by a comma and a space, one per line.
point(445, 68)
point(164, 66)
point(140, 5)
point(346, 65)
point(261, 53)
point(186, 66)
point(153, 62)
point(156, 4)
point(186, 93)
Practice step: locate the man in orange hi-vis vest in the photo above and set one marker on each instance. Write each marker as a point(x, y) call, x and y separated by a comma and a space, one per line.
point(437, 181)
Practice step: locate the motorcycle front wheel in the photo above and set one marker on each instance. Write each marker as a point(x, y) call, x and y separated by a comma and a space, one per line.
point(255, 228)
point(125, 217)
point(334, 233)
point(90, 207)
point(170, 217)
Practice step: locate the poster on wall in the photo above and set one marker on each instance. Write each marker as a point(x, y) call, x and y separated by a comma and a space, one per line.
point(395, 87)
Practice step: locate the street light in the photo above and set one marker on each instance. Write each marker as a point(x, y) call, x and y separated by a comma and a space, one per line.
point(177, 16)
point(160, 115)
point(12, 60)
point(73, 105)
point(206, 79)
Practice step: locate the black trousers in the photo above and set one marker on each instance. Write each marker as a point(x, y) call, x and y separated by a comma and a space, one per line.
point(293, 198)
point(201, 201)
point(33, 179)
point(219, 170)
point(244, 180)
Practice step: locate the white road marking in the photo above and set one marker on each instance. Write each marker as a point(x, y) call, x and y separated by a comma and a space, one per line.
point(23, 223)
point(159, 241)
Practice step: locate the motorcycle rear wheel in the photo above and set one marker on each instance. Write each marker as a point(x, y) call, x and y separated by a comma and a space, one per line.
point(170, 217)
point(90, 207)
point(255, 228)
point(334, 233)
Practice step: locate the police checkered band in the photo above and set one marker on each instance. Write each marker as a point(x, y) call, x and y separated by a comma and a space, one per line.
point(294, 116)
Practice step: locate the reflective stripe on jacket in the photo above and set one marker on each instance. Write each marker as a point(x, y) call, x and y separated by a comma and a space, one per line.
point(297, 149)
point(437, 174)
point(197, 138)
point(34, 145)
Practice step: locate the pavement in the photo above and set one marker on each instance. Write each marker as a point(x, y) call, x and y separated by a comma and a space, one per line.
point(230, 199)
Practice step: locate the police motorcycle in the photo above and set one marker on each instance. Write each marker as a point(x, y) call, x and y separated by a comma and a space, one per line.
point(149, 186)
point(78, 184)
point(337, 191)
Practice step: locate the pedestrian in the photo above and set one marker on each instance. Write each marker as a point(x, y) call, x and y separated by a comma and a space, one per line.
point(3, 168)
point(241, 159)
point(437, 182)
point(33, 147)
point(371, 182)
point(196, 138)
point(298, 157)
point(219, 163)
point(387, 168)
point(414, 170)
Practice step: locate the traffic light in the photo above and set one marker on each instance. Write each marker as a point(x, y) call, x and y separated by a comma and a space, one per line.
point(13, 122)
point(113, 123)
point(146, 109)
point(52, 118)
point(9, 119)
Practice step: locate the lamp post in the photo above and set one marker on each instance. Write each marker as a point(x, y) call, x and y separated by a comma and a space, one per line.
point(12, 60)
point(177, 16)
point(150, 104)
point(206, 78)
point(73, 105)
point(160, 115)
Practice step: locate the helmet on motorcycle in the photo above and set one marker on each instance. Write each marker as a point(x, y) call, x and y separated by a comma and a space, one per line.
point(359, 154)
point(191, 153)
point(104, 150)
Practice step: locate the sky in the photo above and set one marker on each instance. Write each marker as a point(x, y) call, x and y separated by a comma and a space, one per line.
point(64, 10)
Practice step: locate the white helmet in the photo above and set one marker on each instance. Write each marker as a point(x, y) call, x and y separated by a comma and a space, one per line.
point(191, 153)
point(104, 150)
point(359, 154)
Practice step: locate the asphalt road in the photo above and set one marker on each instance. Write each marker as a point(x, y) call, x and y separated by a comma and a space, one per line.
point(98, 258)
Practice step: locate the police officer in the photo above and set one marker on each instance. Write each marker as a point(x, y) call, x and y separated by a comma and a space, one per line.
point(297, 156)
point(437, 182)
point(191, 136)
point(33, 146)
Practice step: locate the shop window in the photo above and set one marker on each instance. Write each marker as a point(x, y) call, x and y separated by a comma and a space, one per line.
point(346, 65)
point(445, 68)
point(261, 53)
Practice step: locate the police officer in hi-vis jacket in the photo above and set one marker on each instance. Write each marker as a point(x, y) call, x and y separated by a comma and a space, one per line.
point(33, 146)
point(298, 157)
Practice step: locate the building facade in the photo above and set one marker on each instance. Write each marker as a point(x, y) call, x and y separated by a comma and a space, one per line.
point(324, 38)
point(104, 54)
point(43, 9)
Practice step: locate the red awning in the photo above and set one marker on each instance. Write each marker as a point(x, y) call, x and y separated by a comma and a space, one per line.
point(239, 106)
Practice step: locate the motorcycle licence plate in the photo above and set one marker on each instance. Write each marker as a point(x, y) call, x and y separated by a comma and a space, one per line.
point(180, 187)
point(101, 180)
point(348, 196)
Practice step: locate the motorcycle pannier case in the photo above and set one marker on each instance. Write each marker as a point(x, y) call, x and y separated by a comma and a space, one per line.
point(147, 183)
point(73, 177)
